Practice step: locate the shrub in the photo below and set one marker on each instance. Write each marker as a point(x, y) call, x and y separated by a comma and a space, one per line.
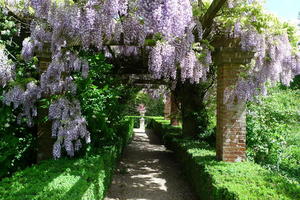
point(103, 98)
point(17, 141)
point(154, 106)
point(224, 181)
point(85, 178)
point(67, 179)
point(273, 129)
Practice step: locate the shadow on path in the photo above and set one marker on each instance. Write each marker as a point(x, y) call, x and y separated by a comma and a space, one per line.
point(148, 172)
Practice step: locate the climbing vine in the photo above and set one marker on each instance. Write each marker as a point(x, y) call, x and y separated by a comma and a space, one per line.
point(169, 30)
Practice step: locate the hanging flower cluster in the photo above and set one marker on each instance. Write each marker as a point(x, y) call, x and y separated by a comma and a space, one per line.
point(156, 92)
point(24, 98)
point(169, 24)
point(274, 59)
point(6, 68)
point(68, 126)
point(97, 23)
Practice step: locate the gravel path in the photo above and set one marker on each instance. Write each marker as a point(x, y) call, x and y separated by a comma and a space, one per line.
point(148, 172)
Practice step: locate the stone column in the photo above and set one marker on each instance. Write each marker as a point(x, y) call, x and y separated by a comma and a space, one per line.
point(44, 137)
point(142, 124)
point(231, 113)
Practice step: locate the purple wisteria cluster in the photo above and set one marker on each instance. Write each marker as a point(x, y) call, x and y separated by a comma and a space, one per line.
point(158, 92)
point(97, 23)
point(174, 20)
point(6, 68)
point(69, 127)
point(24, 98)
point(57, 79)
point(274, 61)
point(126, 26)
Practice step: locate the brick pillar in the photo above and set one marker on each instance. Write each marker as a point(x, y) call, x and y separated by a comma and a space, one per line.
point(44, 137)
point(167, 108)
point(231, 114)
point(174, 110)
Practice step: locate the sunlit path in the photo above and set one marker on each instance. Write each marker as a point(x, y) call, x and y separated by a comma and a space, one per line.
point(148, 172)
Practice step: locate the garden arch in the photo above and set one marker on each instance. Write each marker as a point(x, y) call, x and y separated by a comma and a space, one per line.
point(228, 57)
point(231, 118)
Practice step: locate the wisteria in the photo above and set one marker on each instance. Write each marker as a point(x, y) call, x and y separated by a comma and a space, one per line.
point(26, 99)
point(274, 61)
point(156, 92)
point(126, 27)
point(69, 127)
point(6, 68)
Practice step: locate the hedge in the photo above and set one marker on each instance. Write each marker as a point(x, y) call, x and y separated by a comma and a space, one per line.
point(86, 178)
point(214, 180)
point(148, 119)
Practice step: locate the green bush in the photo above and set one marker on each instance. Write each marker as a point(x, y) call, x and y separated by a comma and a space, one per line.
point(273, 130)
point(224, 181)
point(17, 141)
point(126, 132)
point(103, 99)
point(68, 179)
point(136, 119)
point(85, 178)
point(154, 106)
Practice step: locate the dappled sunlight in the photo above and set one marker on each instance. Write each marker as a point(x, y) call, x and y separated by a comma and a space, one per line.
point(148, 171)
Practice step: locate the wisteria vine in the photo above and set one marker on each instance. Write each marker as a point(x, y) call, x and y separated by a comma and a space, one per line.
point(275, 59)
point(62, 25)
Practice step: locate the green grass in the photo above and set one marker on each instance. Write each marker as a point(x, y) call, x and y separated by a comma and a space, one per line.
point(225, 181)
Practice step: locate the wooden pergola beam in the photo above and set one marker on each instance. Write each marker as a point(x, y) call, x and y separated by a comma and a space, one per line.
point(207, 19)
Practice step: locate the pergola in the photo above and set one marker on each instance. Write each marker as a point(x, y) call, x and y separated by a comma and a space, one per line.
point(231, 116)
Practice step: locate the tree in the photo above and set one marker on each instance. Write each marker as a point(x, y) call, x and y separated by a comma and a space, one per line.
point(178, 36)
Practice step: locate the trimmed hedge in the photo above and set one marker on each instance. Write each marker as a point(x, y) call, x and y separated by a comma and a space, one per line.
point(148, 119)
point(85, 178)
point(213, 180)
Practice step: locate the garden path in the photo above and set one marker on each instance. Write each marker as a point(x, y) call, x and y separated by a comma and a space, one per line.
point(148, 171)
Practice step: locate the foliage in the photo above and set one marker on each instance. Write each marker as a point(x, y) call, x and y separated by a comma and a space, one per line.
point(17, 142)
point(85, 178)
point(179, 51)
point(103, 99)
point(220, 180)
point(296, 83)
point(273, 128)
point(154, 106)
point(67, 179)
point(148, 119)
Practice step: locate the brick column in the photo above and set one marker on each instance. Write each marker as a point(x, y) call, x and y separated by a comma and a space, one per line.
point(44, 136)
point(167, 108)
point(174, 110)
point(231, 114)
